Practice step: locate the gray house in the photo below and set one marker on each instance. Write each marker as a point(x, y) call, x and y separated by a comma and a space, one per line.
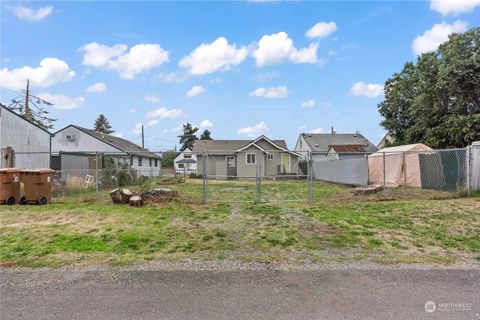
point(23, 144)
point(75, 148)
point(245, 158)
point(328, 146)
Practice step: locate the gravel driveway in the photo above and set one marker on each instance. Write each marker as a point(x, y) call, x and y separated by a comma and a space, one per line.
point(384, 293)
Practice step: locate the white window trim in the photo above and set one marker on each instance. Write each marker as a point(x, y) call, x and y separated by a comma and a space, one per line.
point(270, 155)
point(246, 159)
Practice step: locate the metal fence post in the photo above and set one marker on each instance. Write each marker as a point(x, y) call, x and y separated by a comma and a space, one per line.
point(469, 169)
point(258, 193)
point(205, 191)
point(404, 170)
point(96, 176)
point(384, 175)
point(309, 177)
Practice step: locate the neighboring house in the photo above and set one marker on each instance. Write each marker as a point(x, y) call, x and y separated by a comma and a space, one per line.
point(75, 148)
point(387, 139)
point(346, 151)
point(245, 158)
point(318, 144)
point(186, 162)
point(23, 144)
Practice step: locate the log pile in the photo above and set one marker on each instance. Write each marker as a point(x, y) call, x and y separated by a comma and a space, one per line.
point(136, 201)
point(121, 195)
point(367, 190)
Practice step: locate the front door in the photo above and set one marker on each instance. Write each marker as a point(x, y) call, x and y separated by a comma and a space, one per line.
point(231, 167)
point(286, 162)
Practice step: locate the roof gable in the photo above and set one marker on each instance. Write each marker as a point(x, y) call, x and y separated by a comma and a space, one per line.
point(320, 142)
point(21, 117)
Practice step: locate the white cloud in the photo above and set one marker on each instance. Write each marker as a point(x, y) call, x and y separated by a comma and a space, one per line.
point(151, 98)
point(164, 113)
point(431, 39)
point(262, 77)
point(303, 126)
point(254, 131)
point(369, 90)
point(205, 124)
point(308, 103)
point(453, 7)
point(321, 30)
point(317, 130)
point(133, 110)
point(62, 102)
point(211, 57)
point(138, 59)
point(271, 93)
point(50, 72)
point(97, 87)
point(28, 14)
point(195, 91)
point(275, 48)
point(172, 77)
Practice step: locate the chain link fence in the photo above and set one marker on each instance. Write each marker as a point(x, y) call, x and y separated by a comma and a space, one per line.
point(265, 175)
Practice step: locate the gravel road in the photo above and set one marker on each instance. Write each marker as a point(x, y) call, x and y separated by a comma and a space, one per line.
point(240, 294)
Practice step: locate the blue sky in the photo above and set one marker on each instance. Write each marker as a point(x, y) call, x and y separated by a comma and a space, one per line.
point(239, 69)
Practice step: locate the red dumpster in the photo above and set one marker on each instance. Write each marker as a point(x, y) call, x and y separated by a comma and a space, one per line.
point(9, 186)
point(38, 185)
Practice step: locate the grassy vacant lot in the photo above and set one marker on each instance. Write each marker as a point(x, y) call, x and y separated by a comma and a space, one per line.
point(336, 227)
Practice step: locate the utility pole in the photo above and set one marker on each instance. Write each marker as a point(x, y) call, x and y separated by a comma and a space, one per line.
point(143, 138)
point(27, 95)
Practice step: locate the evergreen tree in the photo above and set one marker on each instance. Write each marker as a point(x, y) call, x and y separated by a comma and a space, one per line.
point(102, 125)
point(206, 135)
point(187, 139)
point(437, 100)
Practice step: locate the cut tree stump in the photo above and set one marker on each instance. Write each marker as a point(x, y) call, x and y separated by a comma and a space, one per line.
point(116, 195)
point(367, 190)
point(126, 195)
point(136, 201)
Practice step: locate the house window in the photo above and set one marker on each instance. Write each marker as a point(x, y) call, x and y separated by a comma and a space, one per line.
point(251, 158)
point(140, 161)
point(150, 162)
point(156, 162)
point(131, 160)
point(181, 166)
point(270, 156)
point(187, 155)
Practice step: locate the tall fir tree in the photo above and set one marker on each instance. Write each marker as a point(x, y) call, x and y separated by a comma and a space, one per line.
point(102, 125)
point(187, 139)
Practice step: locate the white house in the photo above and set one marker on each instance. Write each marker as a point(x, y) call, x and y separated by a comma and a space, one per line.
point(76, 148)
point(23, 144)
point(186, 162)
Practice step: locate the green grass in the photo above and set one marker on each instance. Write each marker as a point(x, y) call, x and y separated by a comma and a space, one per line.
point(336, 227)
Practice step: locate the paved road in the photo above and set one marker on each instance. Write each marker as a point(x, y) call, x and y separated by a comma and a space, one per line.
point(261, 294)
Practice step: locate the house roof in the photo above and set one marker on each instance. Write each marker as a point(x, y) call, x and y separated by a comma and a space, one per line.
point(320, 142)
point(347, 148)
point(186, 160)
point(116, 142)
point(23, 118)
point(228, 146)
point(404, 148)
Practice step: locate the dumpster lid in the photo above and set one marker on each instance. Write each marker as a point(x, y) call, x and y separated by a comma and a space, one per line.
point(9, 170)
point(46, 170)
